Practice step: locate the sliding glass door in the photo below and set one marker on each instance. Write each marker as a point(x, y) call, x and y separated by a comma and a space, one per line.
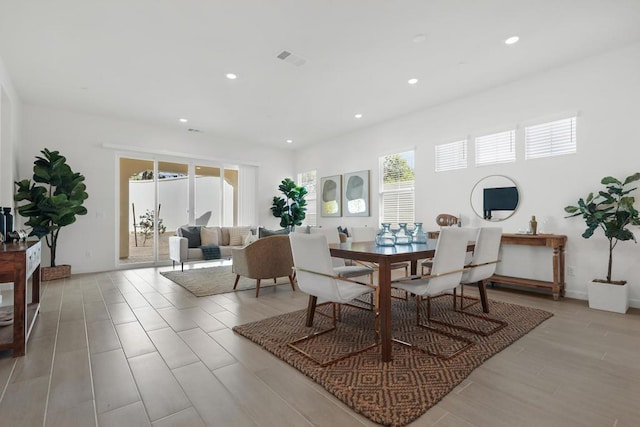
point(157, 197)
point(153, 204)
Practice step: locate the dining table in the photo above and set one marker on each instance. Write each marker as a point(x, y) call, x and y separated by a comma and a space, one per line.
point(384, 256)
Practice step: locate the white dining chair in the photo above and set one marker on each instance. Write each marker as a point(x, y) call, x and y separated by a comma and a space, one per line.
point(316, 276)
point(339, 266)
point(444, 277)
point(481, 267)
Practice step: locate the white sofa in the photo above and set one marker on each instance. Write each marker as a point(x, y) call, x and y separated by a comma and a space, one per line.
point(181, 251)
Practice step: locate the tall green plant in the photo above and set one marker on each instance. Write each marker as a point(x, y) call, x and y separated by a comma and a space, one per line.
point(292, 207)
point(611, 210)
point(54, 205)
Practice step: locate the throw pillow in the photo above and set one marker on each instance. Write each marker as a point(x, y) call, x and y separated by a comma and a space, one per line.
point(264, 232)
point(237, 234)
point(193, 236)
point(250, 238)
point(209, 236)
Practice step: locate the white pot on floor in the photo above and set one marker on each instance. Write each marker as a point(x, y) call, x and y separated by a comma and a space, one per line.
point(609, 296)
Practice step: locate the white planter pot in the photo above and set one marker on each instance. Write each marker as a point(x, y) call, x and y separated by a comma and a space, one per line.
point(609, 297)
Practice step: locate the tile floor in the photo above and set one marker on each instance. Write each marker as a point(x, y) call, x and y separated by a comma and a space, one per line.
point(131, 348)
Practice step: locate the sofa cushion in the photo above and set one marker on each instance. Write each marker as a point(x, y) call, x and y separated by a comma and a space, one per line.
point(192, 234)
point(210, 236)
point(224, 236)
point(237, 235)
point(265, 232)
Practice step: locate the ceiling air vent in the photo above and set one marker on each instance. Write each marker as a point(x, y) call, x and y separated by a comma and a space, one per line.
point(291, 58)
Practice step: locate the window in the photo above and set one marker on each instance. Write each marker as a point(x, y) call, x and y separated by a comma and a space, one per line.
point(451, 156)
point(496, 148)
point(550, 139)
point(397, 189)
point(308, 181)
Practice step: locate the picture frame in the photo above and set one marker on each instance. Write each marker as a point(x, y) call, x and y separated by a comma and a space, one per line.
point(330, 196)
point(355, 197)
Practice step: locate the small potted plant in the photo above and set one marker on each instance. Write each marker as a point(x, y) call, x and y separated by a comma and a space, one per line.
point(613, 211)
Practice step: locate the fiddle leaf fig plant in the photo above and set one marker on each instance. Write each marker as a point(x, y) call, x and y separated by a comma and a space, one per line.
point(611, 210)
point(291, 209)
point(55, 204)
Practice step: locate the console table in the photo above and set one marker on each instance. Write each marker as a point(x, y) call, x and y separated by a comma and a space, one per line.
point(18, 263)
point(555, 241)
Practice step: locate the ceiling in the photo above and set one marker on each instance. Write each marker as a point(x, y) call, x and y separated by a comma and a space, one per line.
point(155, 61)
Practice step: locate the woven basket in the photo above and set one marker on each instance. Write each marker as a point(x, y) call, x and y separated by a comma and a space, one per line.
point(53, 273)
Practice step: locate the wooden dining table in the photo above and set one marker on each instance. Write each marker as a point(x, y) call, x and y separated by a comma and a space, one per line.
point(384, 256)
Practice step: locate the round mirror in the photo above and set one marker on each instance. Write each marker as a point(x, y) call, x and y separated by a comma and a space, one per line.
point(495, 198)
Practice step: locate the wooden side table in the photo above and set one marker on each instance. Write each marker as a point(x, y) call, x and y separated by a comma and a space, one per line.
point(18, 263)
point(555, 241)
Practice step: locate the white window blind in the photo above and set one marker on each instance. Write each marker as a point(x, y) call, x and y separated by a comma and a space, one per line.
point(451, 156)
point(398, 188)
point(496, 148)
point(550, 139)
point(308, 181)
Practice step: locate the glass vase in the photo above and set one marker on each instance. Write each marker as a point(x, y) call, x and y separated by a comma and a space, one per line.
point(385, 237)
point(418, 234)
point(403, 237)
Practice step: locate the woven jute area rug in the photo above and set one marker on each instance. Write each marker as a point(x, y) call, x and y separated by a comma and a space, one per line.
point(397, 392)
point(206, 281)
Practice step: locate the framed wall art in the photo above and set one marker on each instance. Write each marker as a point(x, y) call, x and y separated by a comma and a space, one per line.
point(330, 200)
point(355, 197)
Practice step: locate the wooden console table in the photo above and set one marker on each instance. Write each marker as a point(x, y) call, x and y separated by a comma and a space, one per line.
point(18, 263)
point(555, 241)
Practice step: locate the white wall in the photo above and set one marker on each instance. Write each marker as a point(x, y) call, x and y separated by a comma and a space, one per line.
point(604, 90)
point(90, 244)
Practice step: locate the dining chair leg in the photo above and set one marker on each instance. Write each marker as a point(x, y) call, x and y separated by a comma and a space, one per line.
point(335, 313)
point(236, 282)
point(475, 300)
point(467, 342)
point(499, 323)
point(257, 287)
point(293, 286)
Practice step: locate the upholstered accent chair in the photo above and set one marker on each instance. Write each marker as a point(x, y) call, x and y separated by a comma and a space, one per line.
point(266, 258)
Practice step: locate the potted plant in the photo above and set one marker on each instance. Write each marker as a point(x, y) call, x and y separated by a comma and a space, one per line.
point(292, 207)
point(613, 211)
point(53, 205)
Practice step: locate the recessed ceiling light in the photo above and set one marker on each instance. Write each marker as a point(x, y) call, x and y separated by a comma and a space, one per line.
point(358, 116)
point(412, 81)
point(183, 120)
point(512, 40)
point(289, 141)
point(231, 76)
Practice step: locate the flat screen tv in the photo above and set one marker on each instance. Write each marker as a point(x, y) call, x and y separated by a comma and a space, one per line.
point(499, 199)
